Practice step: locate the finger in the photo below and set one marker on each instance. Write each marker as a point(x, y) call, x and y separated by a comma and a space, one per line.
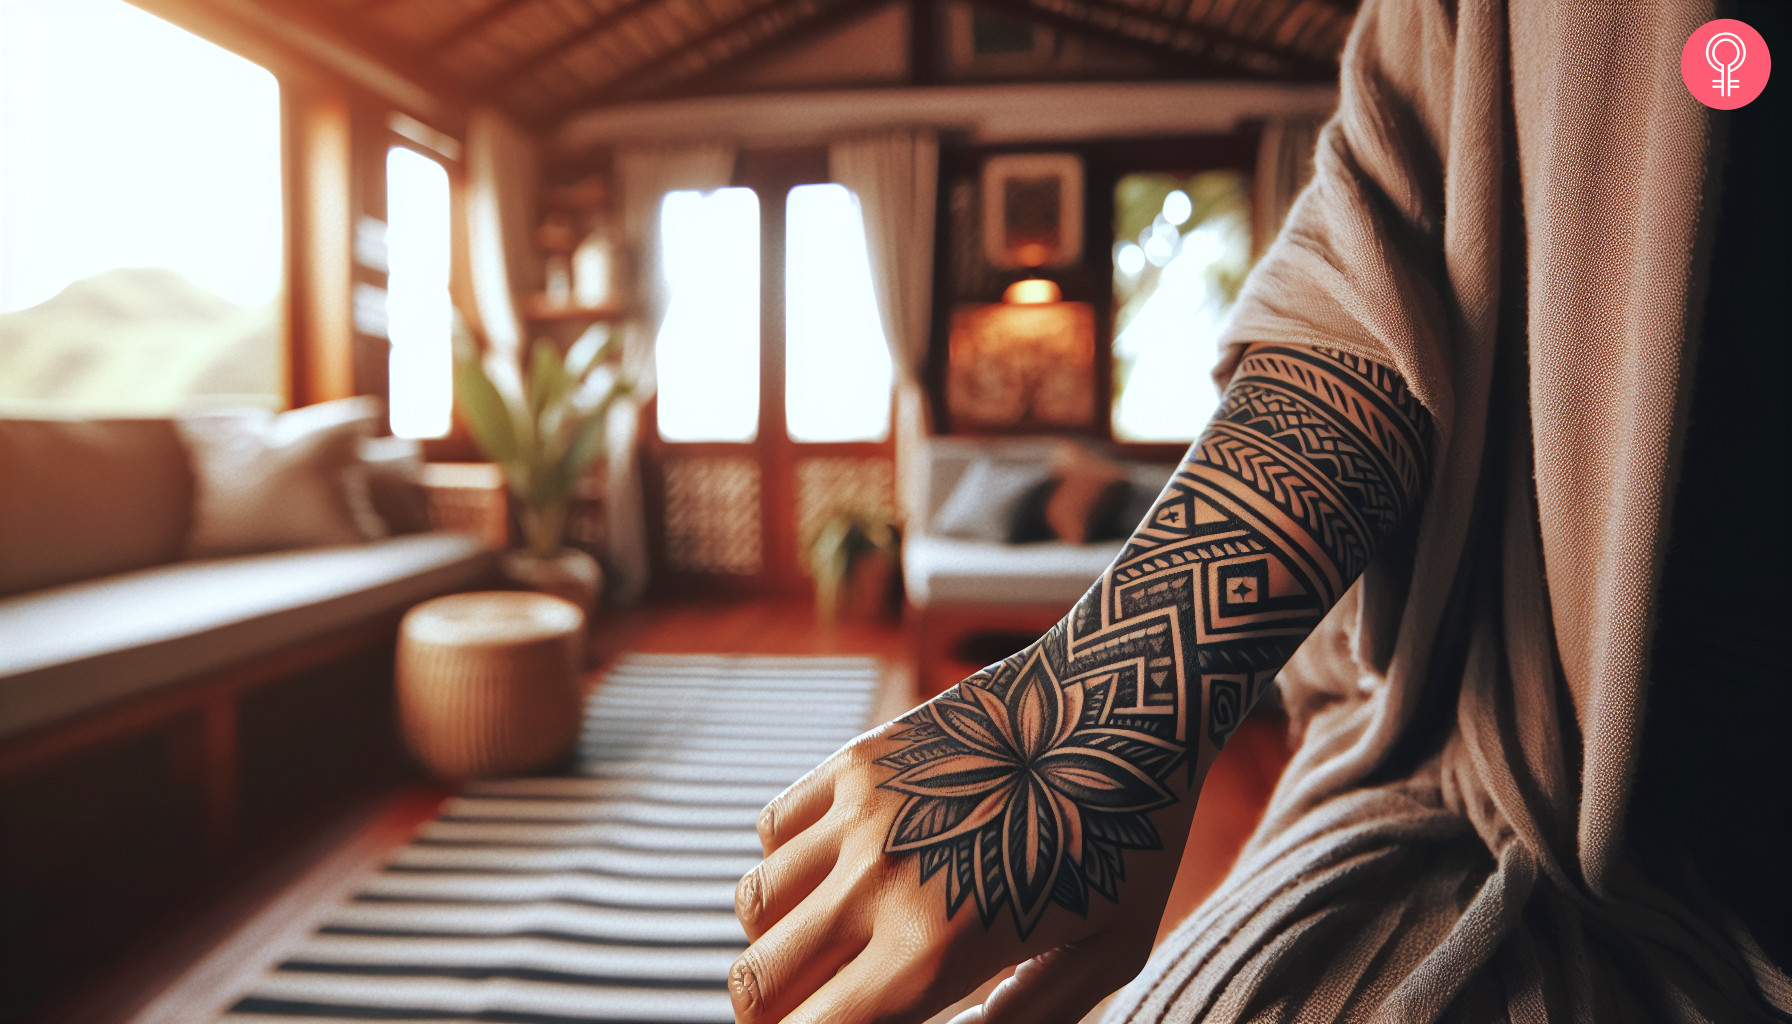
point(798, 807)
point(871, 990)
point(781, 881)
point(1057, 987)
point(795, 958)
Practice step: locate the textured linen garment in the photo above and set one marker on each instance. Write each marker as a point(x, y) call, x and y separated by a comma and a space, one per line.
point(1510, 207)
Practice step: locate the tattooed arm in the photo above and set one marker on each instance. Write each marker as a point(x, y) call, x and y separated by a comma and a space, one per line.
point(1052, 792)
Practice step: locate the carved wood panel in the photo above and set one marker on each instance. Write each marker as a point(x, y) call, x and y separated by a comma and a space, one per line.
point(844, 483)
point(712, 510)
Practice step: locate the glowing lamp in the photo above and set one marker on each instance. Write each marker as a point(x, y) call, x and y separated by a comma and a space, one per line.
point(1032, 291)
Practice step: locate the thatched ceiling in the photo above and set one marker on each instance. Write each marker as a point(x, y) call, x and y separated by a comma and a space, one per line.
point(544, 59)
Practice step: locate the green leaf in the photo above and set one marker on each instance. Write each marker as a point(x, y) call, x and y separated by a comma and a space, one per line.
point(551, 428)
point(488, 415)
point(552, 489)
point(586, 446)
point(547, 384)
point(545, 426)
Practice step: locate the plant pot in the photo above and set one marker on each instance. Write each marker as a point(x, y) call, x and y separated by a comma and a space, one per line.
point(572, 574)
point(868, 595)
point(864, 596)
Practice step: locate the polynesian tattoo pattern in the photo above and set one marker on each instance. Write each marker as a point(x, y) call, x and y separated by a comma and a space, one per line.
point(1026, 782)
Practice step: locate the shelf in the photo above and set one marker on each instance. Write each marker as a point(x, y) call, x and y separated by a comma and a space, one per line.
point(537, 310)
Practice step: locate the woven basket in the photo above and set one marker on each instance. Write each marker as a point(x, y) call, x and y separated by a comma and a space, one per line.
point(488, 683)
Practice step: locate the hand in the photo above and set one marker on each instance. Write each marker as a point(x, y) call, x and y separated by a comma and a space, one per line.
point(1036, 810)
point(844, 927)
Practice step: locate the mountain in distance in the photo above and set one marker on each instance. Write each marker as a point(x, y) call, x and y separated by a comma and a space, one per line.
point(136, 341)
point(140, 293)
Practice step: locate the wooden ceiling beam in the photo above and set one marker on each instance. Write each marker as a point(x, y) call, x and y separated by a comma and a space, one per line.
point(508, 75)
point(1189, 62)
point(603, 91)
point(276, 34)
point(467, 28)
point(1257, 45)
point(1319, 26)
point(349, 30)
point(716, 74)
point(1311, 34)
point(1275, 24)
point(1155, 31)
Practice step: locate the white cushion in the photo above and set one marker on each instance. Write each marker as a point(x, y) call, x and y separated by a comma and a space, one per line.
point(945, 459)
point(950, 570)
point(66, 649)
point(981, 505)
point(266, 482)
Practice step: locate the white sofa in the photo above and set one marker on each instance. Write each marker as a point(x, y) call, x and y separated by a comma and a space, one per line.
point(957, 586)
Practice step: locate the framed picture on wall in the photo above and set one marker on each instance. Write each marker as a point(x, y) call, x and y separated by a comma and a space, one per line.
point(1022, 367)
point(1033, 210)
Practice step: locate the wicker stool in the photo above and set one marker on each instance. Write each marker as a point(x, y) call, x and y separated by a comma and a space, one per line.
point(488, 683)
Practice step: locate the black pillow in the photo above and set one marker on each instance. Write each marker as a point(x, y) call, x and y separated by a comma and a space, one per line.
point(1126, 516)
point(1028, 525)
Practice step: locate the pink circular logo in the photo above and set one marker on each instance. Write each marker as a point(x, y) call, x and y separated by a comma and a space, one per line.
point(1725, 64)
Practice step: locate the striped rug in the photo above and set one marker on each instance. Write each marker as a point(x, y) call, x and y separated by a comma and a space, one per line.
point(602, 897)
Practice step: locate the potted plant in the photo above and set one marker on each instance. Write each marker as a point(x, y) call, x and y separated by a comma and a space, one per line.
point(852, 554)
point(544, 429)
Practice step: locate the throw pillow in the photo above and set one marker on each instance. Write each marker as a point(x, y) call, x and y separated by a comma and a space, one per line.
point(81, 499)
point(982, 504)
point(1028, 524)
point(267, 482)
point(395, 483)
point(1089, 489)
point(1127, 516)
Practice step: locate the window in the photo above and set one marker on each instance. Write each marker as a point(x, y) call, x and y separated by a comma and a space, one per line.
point(707, 353)
point(419, 312)
point(837, 364)
point(1183, 249)
point(140, 215)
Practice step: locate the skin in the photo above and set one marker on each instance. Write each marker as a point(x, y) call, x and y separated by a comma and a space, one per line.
point(1034, 813)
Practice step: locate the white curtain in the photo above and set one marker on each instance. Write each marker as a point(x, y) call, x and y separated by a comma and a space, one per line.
point(503, 168)
point(1284, 166)
point(643, 177)
point(895, 174)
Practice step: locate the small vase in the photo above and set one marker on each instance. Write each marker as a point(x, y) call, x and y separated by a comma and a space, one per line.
point(572, 574)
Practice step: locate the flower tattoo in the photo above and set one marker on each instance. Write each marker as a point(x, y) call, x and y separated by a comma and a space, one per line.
point(1023, 794)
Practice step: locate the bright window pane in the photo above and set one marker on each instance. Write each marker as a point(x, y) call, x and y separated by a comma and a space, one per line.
point(140, 217)
point(837, 364)
point(419, 313)
point(707, 355)
point(1184, 246)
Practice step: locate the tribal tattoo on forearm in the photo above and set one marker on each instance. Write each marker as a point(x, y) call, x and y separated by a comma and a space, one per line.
point(1025, 782)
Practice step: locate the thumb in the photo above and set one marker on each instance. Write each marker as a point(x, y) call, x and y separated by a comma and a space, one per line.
point(1059, 986)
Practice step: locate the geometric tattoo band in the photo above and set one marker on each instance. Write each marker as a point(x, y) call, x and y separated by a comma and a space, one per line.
point(1026, 782)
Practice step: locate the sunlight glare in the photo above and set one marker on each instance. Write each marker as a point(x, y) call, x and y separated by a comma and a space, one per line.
point(419, 312)
point(707, 355)
point(128, 142)
point(837, 370)
point(1178, 207)
point(1171, 344)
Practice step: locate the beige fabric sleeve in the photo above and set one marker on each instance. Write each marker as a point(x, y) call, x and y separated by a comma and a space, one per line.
point(1359, 262)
